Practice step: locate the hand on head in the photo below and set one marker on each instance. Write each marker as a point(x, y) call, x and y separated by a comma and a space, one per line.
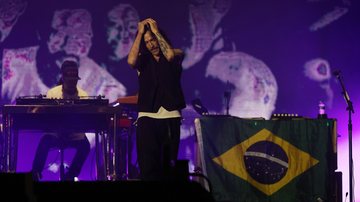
point(150, 23)
point(141, 27)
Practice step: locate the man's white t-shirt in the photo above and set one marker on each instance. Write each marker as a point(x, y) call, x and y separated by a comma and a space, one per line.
point(57, 93)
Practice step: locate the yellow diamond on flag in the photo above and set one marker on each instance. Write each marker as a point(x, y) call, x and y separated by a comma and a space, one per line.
point(266, 161)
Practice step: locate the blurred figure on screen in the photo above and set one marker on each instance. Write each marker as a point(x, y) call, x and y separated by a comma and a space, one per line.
point(72, 39)
point(121, 32)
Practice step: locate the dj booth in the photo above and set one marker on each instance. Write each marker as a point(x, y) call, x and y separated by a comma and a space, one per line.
point(292, 159)
point(62, 116)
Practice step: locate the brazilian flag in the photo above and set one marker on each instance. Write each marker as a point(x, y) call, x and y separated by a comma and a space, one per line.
point(268, 160)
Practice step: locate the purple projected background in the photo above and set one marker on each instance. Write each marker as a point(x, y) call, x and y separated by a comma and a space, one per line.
point(273, 56)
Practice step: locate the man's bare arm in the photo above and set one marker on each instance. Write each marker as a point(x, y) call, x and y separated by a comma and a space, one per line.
point(135, 48)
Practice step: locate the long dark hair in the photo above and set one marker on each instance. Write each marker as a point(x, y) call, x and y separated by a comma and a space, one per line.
point(143, 50)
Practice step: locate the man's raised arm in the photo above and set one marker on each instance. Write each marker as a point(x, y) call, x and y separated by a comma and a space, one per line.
point(135, 48)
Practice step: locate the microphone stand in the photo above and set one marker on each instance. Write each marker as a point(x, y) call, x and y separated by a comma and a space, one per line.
point(350, 109)
point(227, 95)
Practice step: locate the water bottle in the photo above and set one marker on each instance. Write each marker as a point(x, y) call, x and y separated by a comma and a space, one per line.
point(322, 113)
